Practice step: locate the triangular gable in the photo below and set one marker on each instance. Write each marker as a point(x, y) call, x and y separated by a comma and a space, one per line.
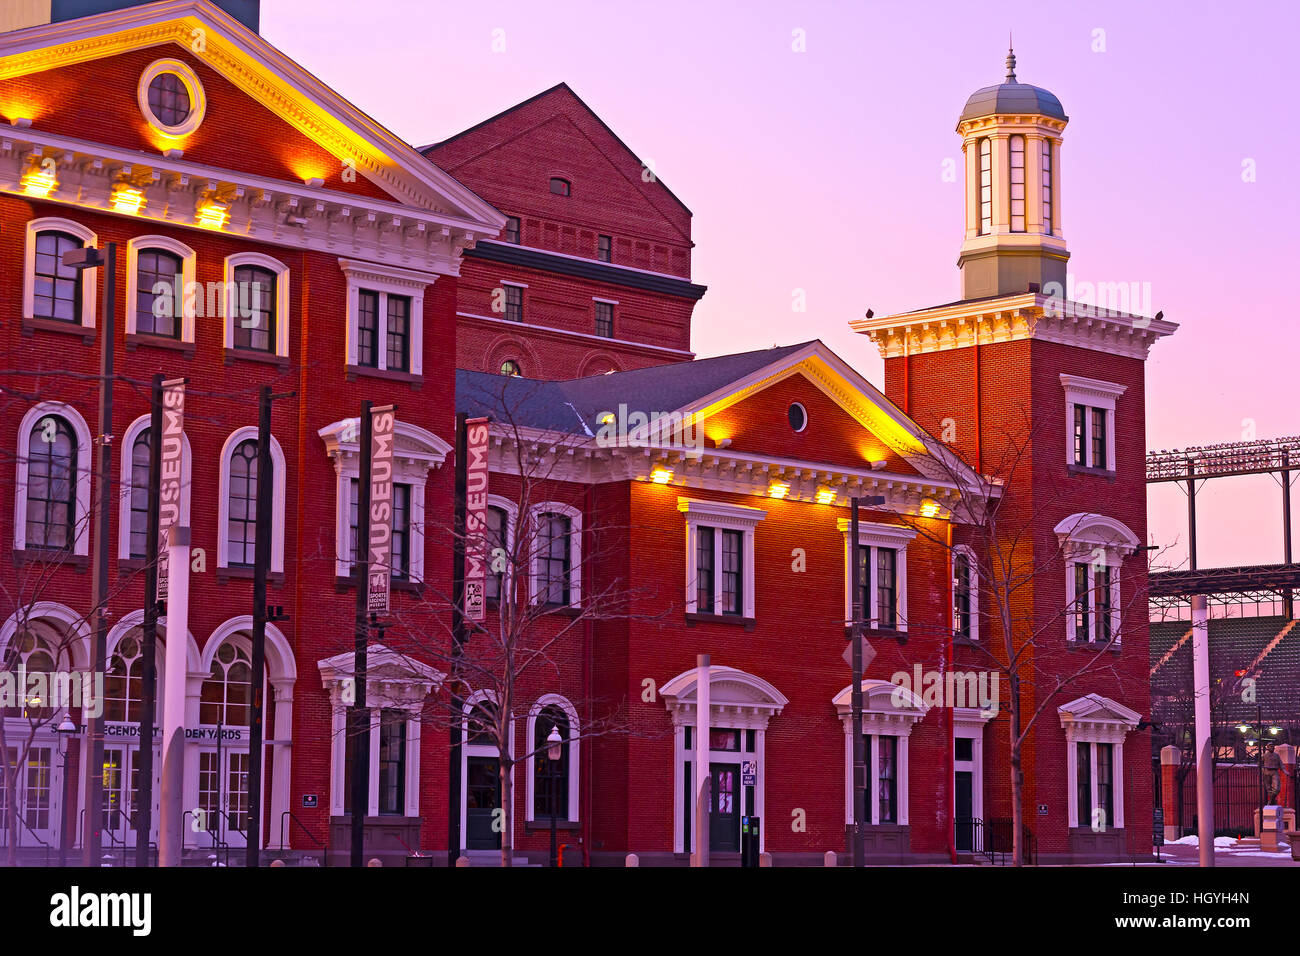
point(266, 76)
point(558, 124)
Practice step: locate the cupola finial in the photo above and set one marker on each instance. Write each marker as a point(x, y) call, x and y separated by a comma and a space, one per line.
point(1011, 61)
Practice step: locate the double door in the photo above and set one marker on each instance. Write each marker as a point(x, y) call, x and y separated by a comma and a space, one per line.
point(121, 778)
point(37, 793)
point(223, 797)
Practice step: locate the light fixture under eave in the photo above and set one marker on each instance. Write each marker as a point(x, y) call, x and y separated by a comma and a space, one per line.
point(826, 496)
point(929, 508)
point(127, 199)
point(214, 215)
point(661, 476)
point(778, 489)
point(21, 122)
point(315, 182)
point(39, 183)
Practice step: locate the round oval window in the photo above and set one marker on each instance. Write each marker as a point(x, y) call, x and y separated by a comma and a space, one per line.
point(169, 99)
point(798, 417)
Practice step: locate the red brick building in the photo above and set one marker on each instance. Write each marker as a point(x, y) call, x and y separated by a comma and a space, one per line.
point(538, 245)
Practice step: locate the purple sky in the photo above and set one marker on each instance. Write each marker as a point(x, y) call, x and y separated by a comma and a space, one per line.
point(821, 170)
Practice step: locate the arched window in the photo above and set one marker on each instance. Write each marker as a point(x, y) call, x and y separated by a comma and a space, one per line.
point(254, 327)
point(480, 725)
point(139, 494)
point(241, 521)
point(559, 186)
point(36, 655)
point(56, 292)
point(51, 484)
point(1017, 144)
point(159, 311)
point(550, 777)
point(985, 147)
point(1047, 187)
point(124, 682)
point(226, 696)
point(511, 367)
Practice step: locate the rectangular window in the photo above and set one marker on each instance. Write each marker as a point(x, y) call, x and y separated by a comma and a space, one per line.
point(368, 328)
point(1017, 145)
point(887, 778)
point(514, 303)
point(605, 319)
point(1083, 780)
point(399, 333)
point(604, 248)
point(1105, 785)
point(1047, 187)
point(1082, 616)
point(720, 739)
point(1080, 435)
point(732, 573)
point(864, 584)
point(961, 595)
point(400, 560)
point(886, 586)
point(1098, 437)
point(512, 229)
point(38, 788)
point(1101, 577)
point(392, 762)
point(496, 538)
point(986, 186)
point(554, 558)
point(704, 570)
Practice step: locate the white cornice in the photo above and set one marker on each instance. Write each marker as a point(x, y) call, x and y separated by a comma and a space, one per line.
point(1031, 315)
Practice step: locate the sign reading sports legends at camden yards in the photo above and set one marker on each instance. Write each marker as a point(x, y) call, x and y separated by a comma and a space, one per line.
point(380, 568)
point(170, 472)
point(476, 543)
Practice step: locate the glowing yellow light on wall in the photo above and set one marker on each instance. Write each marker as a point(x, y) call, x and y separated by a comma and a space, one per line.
point(127, 199)
point(826, 496)
point(929, 508)
point(606, 419)
point(39, 183)
point(661, 476)
point(213, 215)
point(778, 489)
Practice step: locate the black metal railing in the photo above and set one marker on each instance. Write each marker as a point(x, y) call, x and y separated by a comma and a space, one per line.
point(289, 815)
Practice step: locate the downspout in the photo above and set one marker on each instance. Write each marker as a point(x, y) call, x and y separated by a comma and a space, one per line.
point(952, 745)
point(979, 453)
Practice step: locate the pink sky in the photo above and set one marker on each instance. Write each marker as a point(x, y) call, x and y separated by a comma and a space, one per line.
point(821, 170)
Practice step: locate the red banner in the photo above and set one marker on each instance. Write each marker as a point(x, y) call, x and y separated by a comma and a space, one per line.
point(380, 569)
point(476, 507)
point(171, 473)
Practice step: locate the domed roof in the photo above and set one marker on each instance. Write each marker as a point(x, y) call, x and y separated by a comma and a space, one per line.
point(1012, 97)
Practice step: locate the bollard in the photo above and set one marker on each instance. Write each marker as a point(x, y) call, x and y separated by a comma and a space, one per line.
point(632, 860)
point(463, 860)
point(764, 859)
point(830, 859)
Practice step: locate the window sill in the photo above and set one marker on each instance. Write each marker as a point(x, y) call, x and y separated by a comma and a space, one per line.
point(136, 339)
point(32, 324)
point(78, 562)
point(568, 610)
point(246, 574)
point(1107, 473)
point(544, 825)
point(345, 583)
point(250, 355)
point(1112, 647)
point(885, 634)
point(735, 620)
point(415, 381)
point(127, 565)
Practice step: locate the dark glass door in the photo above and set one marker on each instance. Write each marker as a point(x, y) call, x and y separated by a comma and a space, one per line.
point(482, 797)
point(964, 802)
point(724, 810)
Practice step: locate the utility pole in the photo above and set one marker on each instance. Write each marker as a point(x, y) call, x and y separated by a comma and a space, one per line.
point(459, 635)
point(149, 679)
point(1201, 708)
point(360, 722)
point(82, 259)
point(855, 631)
point(261, 564)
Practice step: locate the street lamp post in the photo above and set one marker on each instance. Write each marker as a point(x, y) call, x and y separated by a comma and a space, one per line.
point(65, 731)
point(88, 257)
point(553, 742)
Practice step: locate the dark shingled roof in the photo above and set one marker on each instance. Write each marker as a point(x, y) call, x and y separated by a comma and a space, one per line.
point(573, 406)
point(1012, 98)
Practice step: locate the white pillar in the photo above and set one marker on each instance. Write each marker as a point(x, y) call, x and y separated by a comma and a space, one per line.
point(281, 755)
point(701, 857)
point(1204, 761)
point(171, 831)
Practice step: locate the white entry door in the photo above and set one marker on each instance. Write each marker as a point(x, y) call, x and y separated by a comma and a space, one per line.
point(223, 796)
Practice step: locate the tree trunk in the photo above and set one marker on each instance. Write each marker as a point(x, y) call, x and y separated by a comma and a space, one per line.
point(507, 815)
point(1017, 778)
point(10, 780)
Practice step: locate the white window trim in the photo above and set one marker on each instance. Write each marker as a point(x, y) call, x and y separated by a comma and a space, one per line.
point(189, 291)
point(575, 550)
point(969, 554)
point(1091, 393)
point(385, 280)
point(277, 504)
point(1094, 719)
point(716, 514)
point(1095, 540)
point(549, 700)
point(85, 449)
point(416, 451)
point(124, 505)
point(88, 276)
point(282, 298)
point(877, 536)
point(596, 298)
point(969, 722)
point(468, 750)
point(198, 98)
point(880, 718)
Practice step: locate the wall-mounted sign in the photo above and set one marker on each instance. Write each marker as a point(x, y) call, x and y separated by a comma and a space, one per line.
point(309, 800)
point(209, 734)
point(476, 493)
point(382, 422)
point(170, 466)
